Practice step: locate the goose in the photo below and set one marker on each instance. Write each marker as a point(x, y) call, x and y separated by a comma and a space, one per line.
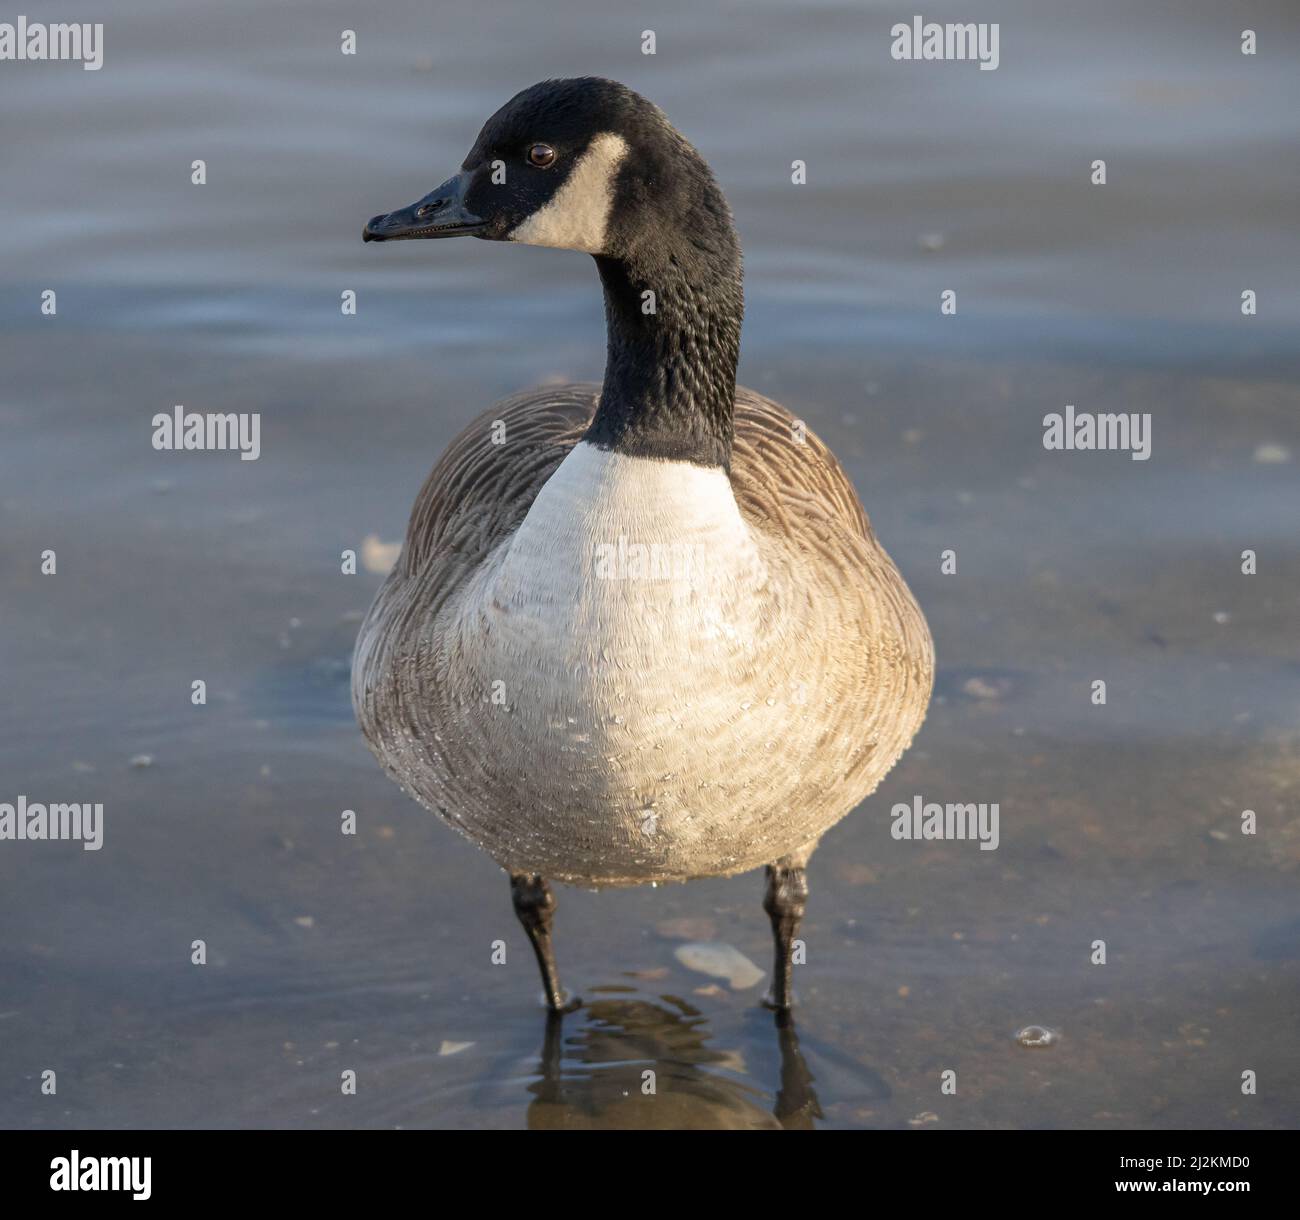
point(642, 631)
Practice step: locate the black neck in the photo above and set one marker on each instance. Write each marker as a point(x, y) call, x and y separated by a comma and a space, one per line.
point(670, 375)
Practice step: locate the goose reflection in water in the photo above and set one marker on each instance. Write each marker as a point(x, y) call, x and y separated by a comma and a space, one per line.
point(594, 1065)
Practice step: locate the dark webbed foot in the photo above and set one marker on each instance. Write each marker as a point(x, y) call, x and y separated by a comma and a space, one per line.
point(786, 898)
point(535, 906)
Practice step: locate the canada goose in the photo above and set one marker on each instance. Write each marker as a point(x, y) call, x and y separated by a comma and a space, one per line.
point(638, 632)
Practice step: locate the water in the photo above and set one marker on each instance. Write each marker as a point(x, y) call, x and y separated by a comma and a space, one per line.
point(329, 953)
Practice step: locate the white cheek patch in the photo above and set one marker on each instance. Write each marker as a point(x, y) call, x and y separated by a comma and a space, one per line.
point(576, 218)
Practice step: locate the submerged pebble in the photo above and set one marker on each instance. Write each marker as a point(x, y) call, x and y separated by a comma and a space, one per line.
point(719, 961)
point(981, 688)
point(1035, 1036)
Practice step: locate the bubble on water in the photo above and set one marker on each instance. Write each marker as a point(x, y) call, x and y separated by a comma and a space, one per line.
point(378, 556)
point(1272, 454)
point(1036, 1036)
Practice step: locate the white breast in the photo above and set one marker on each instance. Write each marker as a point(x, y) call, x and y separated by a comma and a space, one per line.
point(629, 623)
point(617, 552)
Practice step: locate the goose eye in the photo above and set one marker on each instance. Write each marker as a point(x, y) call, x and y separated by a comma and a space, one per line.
point(541, 155)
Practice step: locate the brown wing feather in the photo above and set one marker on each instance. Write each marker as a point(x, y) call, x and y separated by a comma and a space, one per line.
point(775, 467)
point(472, 499)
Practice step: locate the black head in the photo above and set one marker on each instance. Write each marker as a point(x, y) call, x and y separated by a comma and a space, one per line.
point(584, 164)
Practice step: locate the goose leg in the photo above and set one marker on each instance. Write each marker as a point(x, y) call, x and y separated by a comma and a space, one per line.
point(796, 1099)
point(535, 906)
point(787, 895)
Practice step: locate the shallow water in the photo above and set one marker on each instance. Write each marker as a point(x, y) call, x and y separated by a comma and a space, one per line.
point(328, 953)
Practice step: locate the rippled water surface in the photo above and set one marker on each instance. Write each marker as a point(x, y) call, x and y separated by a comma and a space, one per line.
point(328, 953)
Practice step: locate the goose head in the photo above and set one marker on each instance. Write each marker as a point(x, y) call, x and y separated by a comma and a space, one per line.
point(584, 164)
